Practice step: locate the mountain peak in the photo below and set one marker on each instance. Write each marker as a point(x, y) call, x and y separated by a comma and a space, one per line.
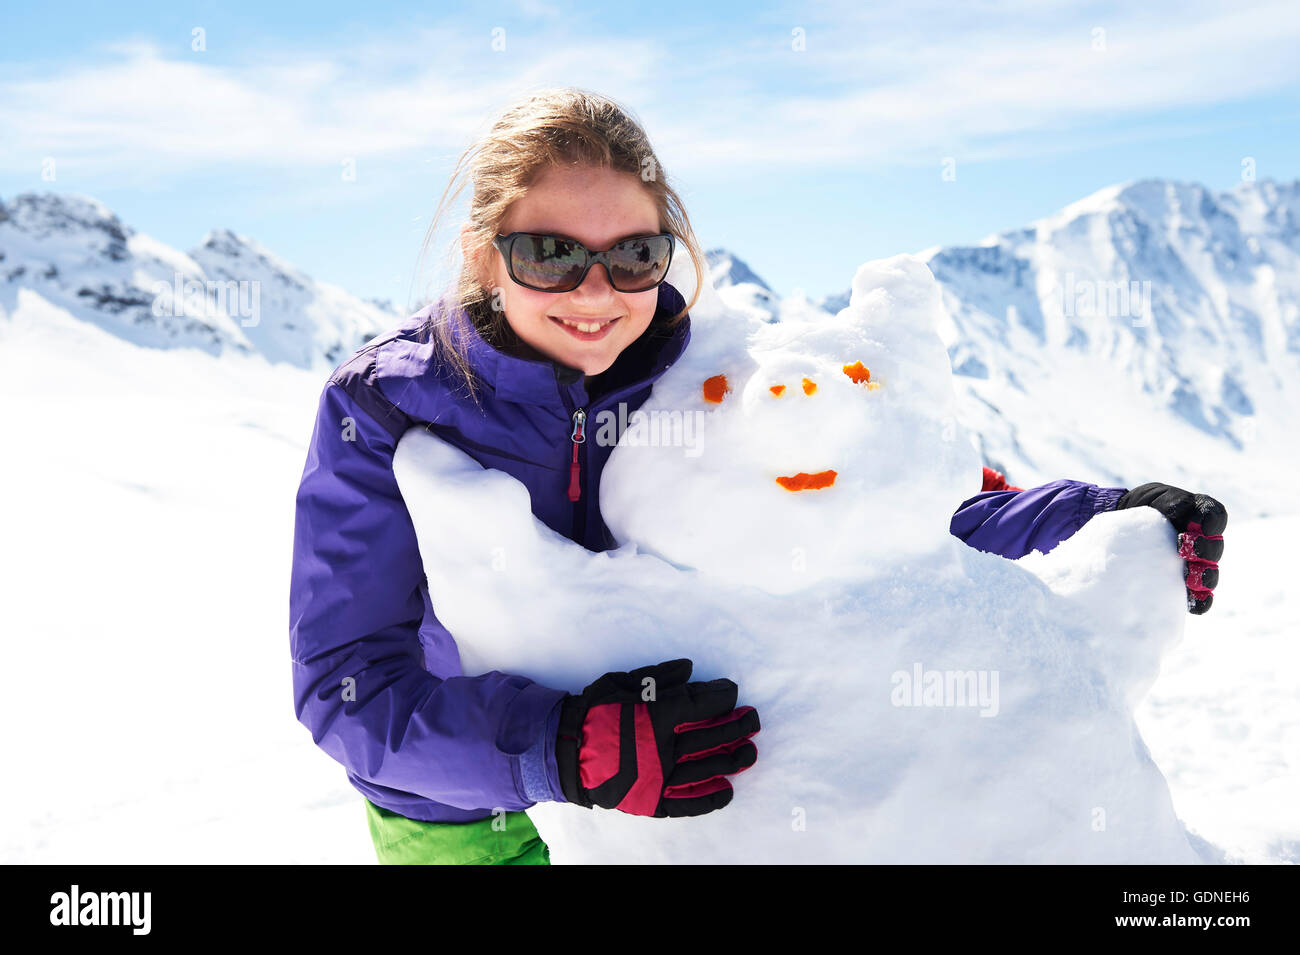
point(726, 269)
point(232, 247)
point(47, 215)
point(230, 295)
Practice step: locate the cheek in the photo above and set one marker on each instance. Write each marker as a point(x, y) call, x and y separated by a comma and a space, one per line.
point(521, 304)
point(512, 296)
point(531, 306)
point(642, 307)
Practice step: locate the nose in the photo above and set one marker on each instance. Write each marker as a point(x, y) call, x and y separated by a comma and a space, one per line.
point(596, 283)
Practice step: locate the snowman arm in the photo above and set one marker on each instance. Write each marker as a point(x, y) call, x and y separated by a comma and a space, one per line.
point(1013, 523)
point(357, 602)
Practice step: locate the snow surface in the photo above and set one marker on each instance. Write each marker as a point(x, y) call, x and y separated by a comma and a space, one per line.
point(148, 534)
point(824, 604)
point(143, 583)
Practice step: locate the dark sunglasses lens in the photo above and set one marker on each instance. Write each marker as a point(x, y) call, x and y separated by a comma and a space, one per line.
point(547, 261)
point(639, 264)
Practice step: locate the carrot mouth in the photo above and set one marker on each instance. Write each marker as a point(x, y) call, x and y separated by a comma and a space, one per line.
point(803, 481)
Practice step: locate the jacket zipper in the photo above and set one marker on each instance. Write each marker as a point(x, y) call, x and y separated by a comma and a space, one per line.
point(578, 436)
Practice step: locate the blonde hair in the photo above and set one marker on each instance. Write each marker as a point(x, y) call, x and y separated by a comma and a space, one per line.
point(550, 127)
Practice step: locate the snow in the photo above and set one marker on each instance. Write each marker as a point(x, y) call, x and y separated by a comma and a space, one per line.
point(1223, 718)
point(145, 577)
point(144, 580)
point(828, 608)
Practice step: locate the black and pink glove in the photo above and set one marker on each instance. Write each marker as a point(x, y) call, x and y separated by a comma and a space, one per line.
point(659, 748)
point(1200, 521)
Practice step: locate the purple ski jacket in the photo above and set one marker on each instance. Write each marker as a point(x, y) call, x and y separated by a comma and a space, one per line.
point(376, 677)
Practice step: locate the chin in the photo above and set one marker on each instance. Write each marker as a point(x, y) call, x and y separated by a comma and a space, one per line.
point(590, 367)
point(588, 363)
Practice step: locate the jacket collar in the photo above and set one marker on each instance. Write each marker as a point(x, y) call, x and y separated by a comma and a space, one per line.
point(532, 381)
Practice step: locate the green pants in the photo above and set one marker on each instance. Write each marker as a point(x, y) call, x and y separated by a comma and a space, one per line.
point(505, 838)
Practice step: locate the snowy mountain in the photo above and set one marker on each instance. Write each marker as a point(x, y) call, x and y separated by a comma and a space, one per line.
point(725, 270)
point(1196, 295)
point(227, 295)
point(1148, 331)
point(745, 290)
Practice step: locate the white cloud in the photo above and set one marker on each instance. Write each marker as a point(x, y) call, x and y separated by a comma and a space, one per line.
point(873, 85)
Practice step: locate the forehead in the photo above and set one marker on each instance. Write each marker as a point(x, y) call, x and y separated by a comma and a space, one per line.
point(595, 206)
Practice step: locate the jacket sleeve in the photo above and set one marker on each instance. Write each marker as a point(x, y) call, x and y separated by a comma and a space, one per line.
point(1013, 523)
point(355, 610)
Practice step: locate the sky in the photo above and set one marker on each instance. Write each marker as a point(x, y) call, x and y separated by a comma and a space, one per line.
point(804, 138)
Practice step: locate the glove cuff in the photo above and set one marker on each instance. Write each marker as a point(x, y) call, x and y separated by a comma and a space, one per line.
point(568, 742)
point(1144, 495)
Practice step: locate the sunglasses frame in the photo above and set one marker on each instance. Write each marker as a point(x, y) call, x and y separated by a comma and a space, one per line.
point(505, 243)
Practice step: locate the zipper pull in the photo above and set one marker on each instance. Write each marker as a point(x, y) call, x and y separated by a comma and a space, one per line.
point(578, 437)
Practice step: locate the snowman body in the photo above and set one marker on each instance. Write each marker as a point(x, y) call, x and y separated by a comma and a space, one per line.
point(920, 701)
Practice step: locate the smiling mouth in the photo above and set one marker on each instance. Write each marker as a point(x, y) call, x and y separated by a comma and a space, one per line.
point(586, 330)
point(585, 325)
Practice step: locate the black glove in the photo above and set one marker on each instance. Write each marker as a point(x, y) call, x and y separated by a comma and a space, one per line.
point(1200, 521)
point(658, 749)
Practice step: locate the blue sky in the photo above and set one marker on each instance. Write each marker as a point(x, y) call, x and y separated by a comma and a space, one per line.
point(804, 162)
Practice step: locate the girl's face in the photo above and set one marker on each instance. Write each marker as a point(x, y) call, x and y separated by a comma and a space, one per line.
point(598, 207)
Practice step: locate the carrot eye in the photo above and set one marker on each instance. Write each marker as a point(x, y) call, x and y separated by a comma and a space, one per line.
point(777, 390)
point(859, 372)
point(809, 386)
point(715, 388)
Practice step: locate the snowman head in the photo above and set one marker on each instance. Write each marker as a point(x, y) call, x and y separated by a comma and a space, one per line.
point(782, 454)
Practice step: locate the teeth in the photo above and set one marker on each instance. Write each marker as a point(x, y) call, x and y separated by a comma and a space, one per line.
point(585, 326)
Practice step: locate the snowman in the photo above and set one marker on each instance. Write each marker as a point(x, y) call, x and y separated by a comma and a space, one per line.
point(921, 701)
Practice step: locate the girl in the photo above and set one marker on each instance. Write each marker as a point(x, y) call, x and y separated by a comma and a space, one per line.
point(560, 311)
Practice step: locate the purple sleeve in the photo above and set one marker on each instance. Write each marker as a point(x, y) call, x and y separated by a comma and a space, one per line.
point(355, 608)
point(1013, 523)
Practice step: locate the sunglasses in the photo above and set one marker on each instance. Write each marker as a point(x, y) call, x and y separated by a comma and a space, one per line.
point(556, 263)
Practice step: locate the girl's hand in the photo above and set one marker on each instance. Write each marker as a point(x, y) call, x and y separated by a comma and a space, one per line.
point(1200, 521)
point(649, 743)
